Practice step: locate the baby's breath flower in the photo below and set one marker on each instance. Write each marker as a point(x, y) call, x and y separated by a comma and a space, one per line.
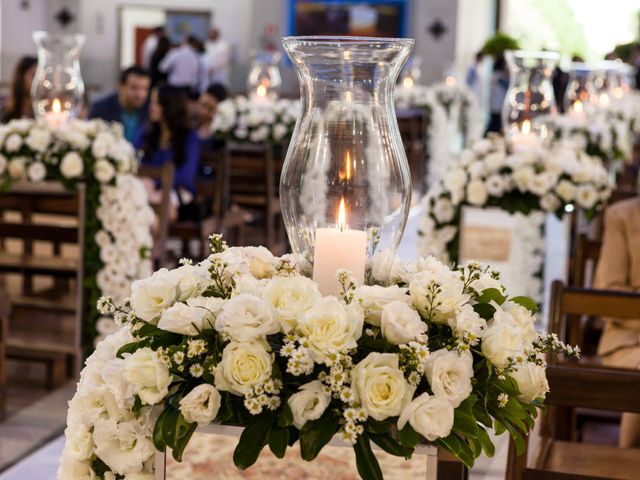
point(503, 398)
point(196, 370)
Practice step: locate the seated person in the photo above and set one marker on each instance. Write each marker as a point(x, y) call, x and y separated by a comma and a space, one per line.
point(19, 104)
point(168, 137)
point(128, 105)
point(619, 269)
point(207, 108)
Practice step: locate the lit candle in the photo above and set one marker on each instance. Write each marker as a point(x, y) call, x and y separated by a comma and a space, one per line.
point(338, 248)
point(603, 100)
point(450, 80)
point(56, 117)
point(261, 91)
point(525, 139)
point(407, 82)
point(577, 110)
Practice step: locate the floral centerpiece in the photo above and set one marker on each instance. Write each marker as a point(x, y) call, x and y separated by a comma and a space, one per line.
point(255, 120)
point(461, 105)
point(546, 180)
point(440, 354)
point(118, 216)
point(436, 147)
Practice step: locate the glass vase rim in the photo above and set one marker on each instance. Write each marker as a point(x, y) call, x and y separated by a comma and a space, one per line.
point(347, 40)
point(537, 54)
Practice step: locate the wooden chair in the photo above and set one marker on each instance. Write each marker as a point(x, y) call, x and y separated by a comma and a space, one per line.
point(57, 311)
point(229, 220)
point(254, 176)
point(5, 311)
point(164, 177)
point(591, 388)
point(412, 125)
point(586, 257)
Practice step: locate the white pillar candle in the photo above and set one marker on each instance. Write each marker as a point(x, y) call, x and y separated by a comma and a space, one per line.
point(525, 139)
point(338, 248)
point(56, 117)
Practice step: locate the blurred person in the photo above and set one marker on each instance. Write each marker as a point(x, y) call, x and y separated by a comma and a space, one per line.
point(207, 108)
point(218, 55)
point(182, 65)
point(158, 77)
point(19, 104)
point(499, 87)
point(168, 137)
point(473, 78)
point(203, 80)
point(129, 104)
point(150, 45)
point(619, 269)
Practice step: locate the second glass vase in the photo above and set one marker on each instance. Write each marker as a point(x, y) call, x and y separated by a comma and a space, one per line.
point(345, 187)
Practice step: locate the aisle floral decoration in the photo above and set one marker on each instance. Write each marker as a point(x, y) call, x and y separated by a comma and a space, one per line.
point(118, 217)
point(442, 355)
point(423, 98)
point(251, 120)
point(461, 104)
point(486, 175)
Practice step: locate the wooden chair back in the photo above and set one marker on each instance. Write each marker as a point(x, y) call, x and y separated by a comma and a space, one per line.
point(413, 125)
point(32, 220)
point(586, 258)
point(164, 177)
point(254, 176)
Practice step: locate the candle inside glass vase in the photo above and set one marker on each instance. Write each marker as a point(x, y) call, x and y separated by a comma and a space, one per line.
point(338, 248)
point(526, 139)
point(56, 117)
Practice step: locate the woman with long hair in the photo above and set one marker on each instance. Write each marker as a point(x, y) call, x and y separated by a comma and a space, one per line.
point(163, 47)
point(19, 103)
point(169, 138)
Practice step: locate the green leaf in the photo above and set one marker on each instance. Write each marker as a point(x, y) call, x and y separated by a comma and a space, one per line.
point(390, 445)
point(487, 445)
point(285, 418)
point(498, 427)
point(315, 434)
point(485, 310)
point(408, 437)
point(158, 440)
point(183, 441)
point(131, 347)
point(366, 461)
point(457, 447)
point(526, 302)
point(169, 426)
point(278, 440)
point(491, 294)
point(375, 426)
point(252, 441)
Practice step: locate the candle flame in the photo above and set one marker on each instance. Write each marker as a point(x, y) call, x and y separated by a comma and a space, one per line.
point(450, 80)
point(261, 91)
point(618, 92)
point(604, 99)
point(342, 215)
point(407, 82)
point(577, 107)
point(56, 107)
point(526, 127)
point(345, 174)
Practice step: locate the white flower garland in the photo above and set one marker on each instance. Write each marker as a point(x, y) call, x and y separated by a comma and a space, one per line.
point(255, 120)
point(97, 154)
point(438, 156)
point(461, 104)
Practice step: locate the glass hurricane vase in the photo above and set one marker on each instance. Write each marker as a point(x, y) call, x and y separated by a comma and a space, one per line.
point(345, 187)
point(264, 79)
point(529, 99)
point(578, 96)
point(57, 90)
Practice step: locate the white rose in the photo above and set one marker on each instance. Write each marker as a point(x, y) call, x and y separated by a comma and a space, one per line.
point(123, 446)
point(78, 470)
point(191, 280)
point(38, 139)
point(542, 182)
point(183, 319)
point(455, 179)
point(532, 381)
point(430, 416)
point(450, 295)
point(308, 403)
point(467, 323)
point(13, 142)
point(566, 190)
point(477, 193)
point(152, 295)
point(494, 161)
point(380, 387)
point(71, 165)
point(148, 374)
point(36, 172)
point(449, 373)
point(289, 298)
point(17, 167)
point(402, 324)
point(523, 318)
point(331, 326)
point(79, 441)
point(374, 298)
point(210, 307)
point(103, 170)
point(243, 366)
point(549, 202)
point(246, 317)
point(443, 210)
point(522, 176)
point(502, 341)
point(247, 283)
point(586, 196)
point(258, 261)
point(495, 185)
point(279, 131)
point(200, 405)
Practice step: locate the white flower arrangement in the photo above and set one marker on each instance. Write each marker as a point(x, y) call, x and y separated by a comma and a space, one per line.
point(393, 364)
point(461, 104)
point(97, 154)
point(486, 175)
point(438, 156)
point(243, 119)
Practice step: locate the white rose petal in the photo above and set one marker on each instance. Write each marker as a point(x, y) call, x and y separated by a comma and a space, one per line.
point(148, 374)
point(289, 298)
point(449, 374)
point(243, 365)
point(36, 172)
point(71, 165)
point(183, 319)
point(246, 317)
point(532, 381)
point(150, 296)
point(309, 403)
point(402, 324)
point(374, 298)
point(430, 416)
point(201, 404)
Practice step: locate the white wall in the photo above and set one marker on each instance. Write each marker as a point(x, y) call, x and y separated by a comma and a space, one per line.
point(15, 31)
